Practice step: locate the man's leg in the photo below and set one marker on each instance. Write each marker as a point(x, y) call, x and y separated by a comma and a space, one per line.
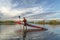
point(24, 32)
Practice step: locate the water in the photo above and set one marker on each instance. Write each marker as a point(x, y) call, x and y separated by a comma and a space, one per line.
point(7, 32)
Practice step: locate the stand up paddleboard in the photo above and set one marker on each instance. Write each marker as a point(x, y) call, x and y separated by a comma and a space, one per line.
point(34, 26)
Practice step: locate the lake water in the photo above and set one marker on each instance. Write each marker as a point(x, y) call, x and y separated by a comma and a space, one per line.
point(7, 32)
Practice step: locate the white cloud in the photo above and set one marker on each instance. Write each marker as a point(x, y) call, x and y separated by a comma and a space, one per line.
point(5, 6)
point(8, 10)
point(35, 11)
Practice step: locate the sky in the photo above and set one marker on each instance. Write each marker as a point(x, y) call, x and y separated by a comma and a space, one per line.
point(32, 9)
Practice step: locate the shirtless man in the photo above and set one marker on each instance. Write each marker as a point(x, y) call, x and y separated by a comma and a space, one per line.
point(24, 28)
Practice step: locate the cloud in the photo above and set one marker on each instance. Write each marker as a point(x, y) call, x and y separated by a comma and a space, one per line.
point(42, 15)
point(24, 8)
point(6, 8)
point(34, 11)
point(56, 15)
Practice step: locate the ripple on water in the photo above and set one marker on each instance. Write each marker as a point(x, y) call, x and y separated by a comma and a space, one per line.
point(39, 36)
point(43, 35)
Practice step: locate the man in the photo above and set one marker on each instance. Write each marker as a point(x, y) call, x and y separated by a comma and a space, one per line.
point(24, 28)
point(25, 21)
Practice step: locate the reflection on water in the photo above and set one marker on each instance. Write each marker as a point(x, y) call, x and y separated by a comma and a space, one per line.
point(7, 32)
